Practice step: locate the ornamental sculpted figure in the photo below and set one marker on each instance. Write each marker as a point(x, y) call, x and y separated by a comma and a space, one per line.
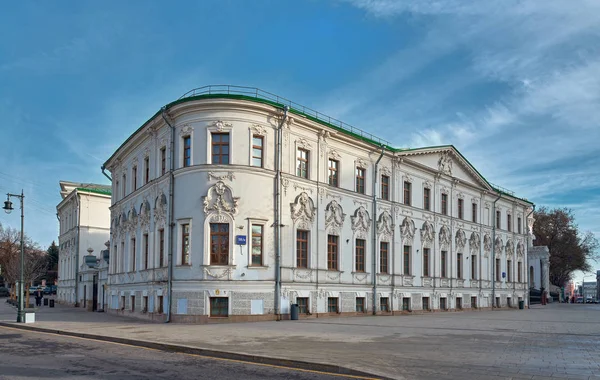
point(334, 215)
point(384, 224)
point(427, 233)
point(360, 220)
point(220, 199)
point(445, 238)
point(303, 210)
point(474, 242)
point(445, 163)
point(487, 243)
point(408, 229)
point(460, 239)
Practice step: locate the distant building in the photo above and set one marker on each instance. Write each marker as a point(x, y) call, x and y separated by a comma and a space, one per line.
point(84, 219)
point(598, 284)
point(589, 289)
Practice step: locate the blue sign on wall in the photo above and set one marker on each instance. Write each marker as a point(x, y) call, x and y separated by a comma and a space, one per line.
point(503, 274)
point(240, 239)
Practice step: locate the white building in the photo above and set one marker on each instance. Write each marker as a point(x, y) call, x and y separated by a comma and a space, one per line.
point(205, 225)
point(84, 219)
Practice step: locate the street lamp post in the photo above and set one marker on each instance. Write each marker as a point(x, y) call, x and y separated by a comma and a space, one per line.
point(8, 208)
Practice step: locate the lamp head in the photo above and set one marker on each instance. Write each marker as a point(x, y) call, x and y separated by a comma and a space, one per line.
point(7, 206)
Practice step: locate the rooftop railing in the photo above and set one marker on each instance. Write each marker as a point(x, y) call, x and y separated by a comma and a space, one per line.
point(257, 93)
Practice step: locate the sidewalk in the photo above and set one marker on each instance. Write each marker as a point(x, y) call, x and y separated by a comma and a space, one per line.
point(559, 339)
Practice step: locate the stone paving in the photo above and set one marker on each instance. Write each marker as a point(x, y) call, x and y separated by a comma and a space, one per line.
point(558, 341)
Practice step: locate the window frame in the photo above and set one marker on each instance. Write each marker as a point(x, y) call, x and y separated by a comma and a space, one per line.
point(360, 307)
point(509, 222)
point(146, 248)
point(426, 260)
point(163, 161)
point(260, 236)
point(498, 270)
point(303, 305)
point(146, 170)
point(333, 172)
point(508, 270)
point(519, 223)
point(333, 303)
point(132, 249)
point(427, 198)
point(221, 144)
point(459, 268)
point(461, 208)
point(302, 260)
point(383, 257)
point(444, 204)
point(474, 212)
point(184, 233)
point(498, 219)
point(214, 306)
point(360, 177)
point(333, 256)
point(186, 155)
point(260, 148)
point(473, 267)
point(407, 259)
point(134, 178)
point(407, 193)
point(385, 187)
point(217, 258)
point(161, 247)
point(444, 264)
point(302, 161)
point(384, 301)
point(360, 266)
point(519, 270)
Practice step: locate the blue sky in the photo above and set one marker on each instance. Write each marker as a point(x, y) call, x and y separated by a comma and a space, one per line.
point(514, 85)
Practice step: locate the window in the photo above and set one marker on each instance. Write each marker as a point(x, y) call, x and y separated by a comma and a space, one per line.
point(122, 264)
point(132, 303)
point(124, 185)
point(360, 255)
point(145, 251)
point(519, 224)
point(159, 301)
point(123, 302)
point(445, 204)
point(443, 303)
point(425, 303)
point(302, 161)
point(257, 151)
point(134, 178)
point(407, 260)
point(407, 193)
point(508, 270)
point(334, 166)
point(133, 254)
point(146, 170)
point(519, 270)
point(220, 148)
point(302, 249)
point(509, 222)
point(219, 307)
point(163, 160)
point(383, 257)
point(360, 180)
point(219, 243)
point(427, 199)
point(385, 187)
point(145, 304)
point(473, 302)
point(498, 278)
point(116, 195)
point(459, 303)
point(461, 206)
point(426, 262)
point(332, 304)
point(384, 304)
point(161, 247)
point(332, 252)
point(405, 303)
point(473, 267)
point(360, 304)
point(459, 273)
point(114, 260)
point(474, 212)
point(187, 151)
point(444, 263)
point(498, 219)
point(185, 244)
point(257, 245)
point(302, 305)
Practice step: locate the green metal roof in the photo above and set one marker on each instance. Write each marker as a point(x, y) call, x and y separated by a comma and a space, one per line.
point(259, 96)
point(95, 190)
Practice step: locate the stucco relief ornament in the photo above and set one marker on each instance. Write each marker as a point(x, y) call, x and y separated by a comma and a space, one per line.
point(333, 154)
point(221, 125)
point(303, 143)
point(220, 199)
point(445, 163)
point(520, 249)
point(285, 183)
point(408, 229)
point(487, 244)
point(258, 129)
point(160, 210)
point(145, 214)
point(510, 247)
point(186, 130)
point(427, 234)
point(445, 237)
point(460, 239)
point(474, 243)
point(386, 171)
point(385, 227)
point(334, 215)
point(361, 163)
point(361, 222)
point(498, 245)
point(303, 211)
point(229, 176)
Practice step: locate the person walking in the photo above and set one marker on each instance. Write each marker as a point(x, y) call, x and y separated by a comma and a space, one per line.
point(38, 297)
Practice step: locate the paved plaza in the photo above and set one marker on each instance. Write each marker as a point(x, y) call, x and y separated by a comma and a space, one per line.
point(558, 341)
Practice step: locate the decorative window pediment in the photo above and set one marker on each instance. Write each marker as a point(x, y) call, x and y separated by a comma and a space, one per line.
point(427, 234)
point(258, 130)
point(220, 199)
point(408, 229)
point(460, 239)
point(445, 237)
point(487, 244)
point(498, 245)
point(303, 143)
point(334, 216)
point(303, 211)
point(510, 247)
point(385, 226)
point(186, 130)
point(361, 163)
point(474, 242)
point(361, 222)
point(385, 171)
point(334, 155)
point(520, 249)
point(221, 126)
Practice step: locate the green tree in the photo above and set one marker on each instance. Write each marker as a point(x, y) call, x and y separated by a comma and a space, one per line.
point(53, 256)
point(570, 250)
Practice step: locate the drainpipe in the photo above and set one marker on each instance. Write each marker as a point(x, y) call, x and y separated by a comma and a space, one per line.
point(374, 266)
point(527, 253)
point(171, 224)
point(103, 168)
point(494, 269)
point(77, 248)
point(278, 201)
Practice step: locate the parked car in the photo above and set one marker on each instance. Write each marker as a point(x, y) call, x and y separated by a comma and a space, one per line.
point(4, 292)
point(32, 289)
point(579, 300)
point(53, 287)
point(589, 300)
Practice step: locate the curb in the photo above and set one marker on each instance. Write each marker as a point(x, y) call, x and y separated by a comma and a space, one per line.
point(289, 363)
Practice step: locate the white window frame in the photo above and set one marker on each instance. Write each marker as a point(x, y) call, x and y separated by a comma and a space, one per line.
point(219, 127)
point(180, 223)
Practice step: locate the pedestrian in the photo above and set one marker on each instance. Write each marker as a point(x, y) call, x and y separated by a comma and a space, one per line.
point(38, 297)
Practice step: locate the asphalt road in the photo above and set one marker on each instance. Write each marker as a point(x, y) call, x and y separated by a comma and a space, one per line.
point(32, 355)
